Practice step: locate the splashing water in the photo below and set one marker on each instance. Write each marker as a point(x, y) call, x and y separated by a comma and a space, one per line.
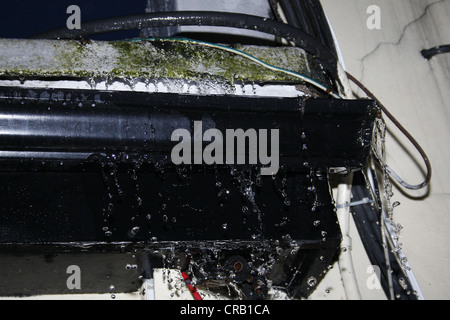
point(378, 149)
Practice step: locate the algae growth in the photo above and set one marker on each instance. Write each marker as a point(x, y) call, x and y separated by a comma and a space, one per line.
point(157, 59)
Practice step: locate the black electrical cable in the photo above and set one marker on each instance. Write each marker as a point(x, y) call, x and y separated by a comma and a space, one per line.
point(274, 9)
point(291, 18)
point(366, 220)
point(302, 15)
point(308, 16)
point(203, 18)
point(405, 132)
point(320, 21)
point(313, 16)
point(430, 53)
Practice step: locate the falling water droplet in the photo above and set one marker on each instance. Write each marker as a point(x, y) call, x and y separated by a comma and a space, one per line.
point(312, 281)
point(223, 194)
point(135, 230)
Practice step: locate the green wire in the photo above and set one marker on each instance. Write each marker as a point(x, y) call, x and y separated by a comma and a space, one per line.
point(248, 56)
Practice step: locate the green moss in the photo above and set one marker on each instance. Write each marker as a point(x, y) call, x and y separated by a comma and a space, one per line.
point(162, 59)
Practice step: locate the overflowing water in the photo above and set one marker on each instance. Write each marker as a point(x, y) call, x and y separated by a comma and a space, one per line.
point(205, 260)
point(393, 228)
point(378, 147)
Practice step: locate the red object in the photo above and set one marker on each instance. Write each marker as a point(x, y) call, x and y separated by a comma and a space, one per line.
point(188, 282)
